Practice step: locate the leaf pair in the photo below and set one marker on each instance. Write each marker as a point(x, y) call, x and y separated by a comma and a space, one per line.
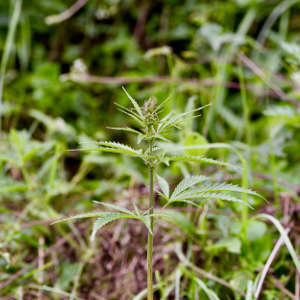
point(103, 218)
point(186, 191)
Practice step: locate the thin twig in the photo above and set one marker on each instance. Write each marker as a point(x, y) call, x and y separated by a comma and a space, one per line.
point(267, 266)
point(88, 78)
point(276, 13)
point(282, 182)
point(54, 19)
point(260, 73)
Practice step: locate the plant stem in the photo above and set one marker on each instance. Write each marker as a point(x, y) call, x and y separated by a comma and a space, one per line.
point(150, 235)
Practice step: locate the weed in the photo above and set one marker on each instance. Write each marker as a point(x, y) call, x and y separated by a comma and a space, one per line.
point(152, 129)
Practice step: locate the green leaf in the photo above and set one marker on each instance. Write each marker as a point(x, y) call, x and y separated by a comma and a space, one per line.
point(115, 207)
point(128, 129)
point(220, 196)
point(172, 121)
point(8, 46)
point(187, 183)
point(210, 294)
point(134, 103)
point(146, 220)
point(195, 139)
point(173, 148)
point(202, 160)
point(232, 244)
point(113, 216)
point(69, 272)
point(80, 216)
point(131, 114)
point(256, 230)
point(163, 184)
point(224, 187)
point(107, 218)
point(115, 147)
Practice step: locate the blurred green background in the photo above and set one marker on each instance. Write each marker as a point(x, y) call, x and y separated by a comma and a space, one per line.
point(61, 74)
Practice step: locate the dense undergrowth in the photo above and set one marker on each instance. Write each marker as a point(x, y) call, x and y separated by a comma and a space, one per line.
point(61, 77)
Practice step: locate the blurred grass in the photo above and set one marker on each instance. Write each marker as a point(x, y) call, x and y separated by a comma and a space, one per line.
point(187, 49)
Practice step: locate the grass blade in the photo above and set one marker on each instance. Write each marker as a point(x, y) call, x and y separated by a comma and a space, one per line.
point(8, 47)
point(285, 238)
point(134, 103)
point(187, 183)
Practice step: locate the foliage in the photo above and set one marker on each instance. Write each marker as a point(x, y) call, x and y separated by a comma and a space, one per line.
point(60, 86)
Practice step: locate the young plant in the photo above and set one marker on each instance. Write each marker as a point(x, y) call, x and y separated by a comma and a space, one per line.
point(193, 190)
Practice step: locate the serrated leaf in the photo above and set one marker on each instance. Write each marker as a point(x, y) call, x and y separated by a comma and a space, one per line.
point(134, 103)
point(187, 183)
point(160, 137)
point(114, 147)
point(220, 196)
point(131, 114)
point(128, 129)
point(163, 184)
point(173, 121)
point(107, 218)
point(203, 159)
point(146, 220)
point(115, 207)
point(172, 148)
point(80, 216)
point(189, 107)
point(223, 187)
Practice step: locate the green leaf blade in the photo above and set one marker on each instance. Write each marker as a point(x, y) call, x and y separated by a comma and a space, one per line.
point(163, 184)
point(202, 159)
point(80, 216)
point(134, 103)
point(187, 183)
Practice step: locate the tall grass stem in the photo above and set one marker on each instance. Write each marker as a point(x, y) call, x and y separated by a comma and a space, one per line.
point(8, 48)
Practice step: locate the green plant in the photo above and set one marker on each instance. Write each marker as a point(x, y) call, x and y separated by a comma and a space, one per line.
point(192, 190)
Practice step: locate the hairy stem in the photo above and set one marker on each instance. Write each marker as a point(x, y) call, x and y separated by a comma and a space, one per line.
point(150, 235)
